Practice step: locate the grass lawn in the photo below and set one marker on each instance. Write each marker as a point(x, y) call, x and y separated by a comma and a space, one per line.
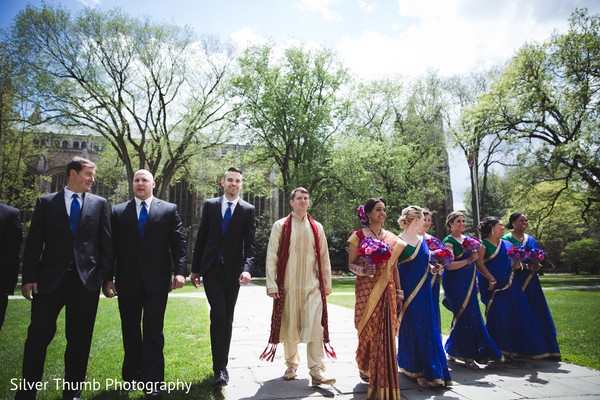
point(187, 350)
point(575, 314)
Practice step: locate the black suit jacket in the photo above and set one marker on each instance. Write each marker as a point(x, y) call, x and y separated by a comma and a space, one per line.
point(237, 243)
point(146, 261)
point(11, 235)
point(51, 246)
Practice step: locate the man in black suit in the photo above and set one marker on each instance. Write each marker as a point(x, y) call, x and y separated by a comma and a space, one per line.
point(148, 237)
point(12, 235)
point(223, 257)
point(67, 254)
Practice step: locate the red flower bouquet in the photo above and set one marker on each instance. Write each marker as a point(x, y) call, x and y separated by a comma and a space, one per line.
point(471, 244)
point(441, 256)
point(517, 254)
point(374, 251)
point(535, 256)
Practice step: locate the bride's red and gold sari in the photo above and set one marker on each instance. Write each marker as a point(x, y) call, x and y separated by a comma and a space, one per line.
point(377, 325)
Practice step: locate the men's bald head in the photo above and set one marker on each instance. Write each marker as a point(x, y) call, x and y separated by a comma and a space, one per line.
point(143, 184)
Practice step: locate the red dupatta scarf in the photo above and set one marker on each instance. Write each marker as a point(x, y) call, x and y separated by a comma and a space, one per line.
point(282, 260)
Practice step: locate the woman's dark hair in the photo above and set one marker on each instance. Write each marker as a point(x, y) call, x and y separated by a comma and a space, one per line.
point(513, 217)
point(370, 204)
point(486, 225)
point(452, 216)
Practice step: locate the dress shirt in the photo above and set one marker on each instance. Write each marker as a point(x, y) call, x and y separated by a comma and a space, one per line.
point(138, 205)
point(69, 199)
point(224, 205)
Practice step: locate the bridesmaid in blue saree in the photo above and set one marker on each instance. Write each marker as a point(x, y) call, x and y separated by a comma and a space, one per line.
point(435, 272)
point(469, 340)
point(527, 277)
point(420, 351)
point(509, 319)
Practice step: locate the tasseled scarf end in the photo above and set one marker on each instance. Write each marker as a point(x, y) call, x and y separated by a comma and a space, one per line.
point(269, 353)
point(329, 350)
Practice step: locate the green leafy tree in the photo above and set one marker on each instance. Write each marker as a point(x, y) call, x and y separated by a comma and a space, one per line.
point(151, 90)
point(547, 99)
point(386, 152)
point(555, 220)
point(483, 145)
point(289, 109)
point(496, 198)
point(18, 136)
point(583, 255)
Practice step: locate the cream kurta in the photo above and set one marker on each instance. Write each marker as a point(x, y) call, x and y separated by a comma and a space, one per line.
point(302, 306)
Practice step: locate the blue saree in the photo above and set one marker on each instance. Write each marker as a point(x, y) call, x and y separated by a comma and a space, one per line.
point(469, 339)
point(420, 351)
point(509, 319)
point(530, 283)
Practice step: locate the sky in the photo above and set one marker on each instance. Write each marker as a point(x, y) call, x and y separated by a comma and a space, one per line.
point(374, 38)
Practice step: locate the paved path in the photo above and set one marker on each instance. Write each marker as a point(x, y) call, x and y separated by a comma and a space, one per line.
point(251, 378)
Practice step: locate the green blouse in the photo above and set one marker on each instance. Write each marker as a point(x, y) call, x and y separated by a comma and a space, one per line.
point(456, 246)
point(511, 239)
point(489, 248)
point(408, 251)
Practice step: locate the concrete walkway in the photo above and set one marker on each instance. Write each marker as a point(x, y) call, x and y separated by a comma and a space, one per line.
point(251, 378)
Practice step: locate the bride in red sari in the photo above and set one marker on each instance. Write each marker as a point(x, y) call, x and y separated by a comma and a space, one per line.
point(378, 296)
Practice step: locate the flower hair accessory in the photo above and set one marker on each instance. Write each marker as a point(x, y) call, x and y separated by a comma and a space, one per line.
point(362, 215)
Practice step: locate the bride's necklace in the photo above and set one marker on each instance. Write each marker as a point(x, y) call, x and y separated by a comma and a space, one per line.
point(376, 234)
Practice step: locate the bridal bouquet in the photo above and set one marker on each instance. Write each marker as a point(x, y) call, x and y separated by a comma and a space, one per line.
point(471, 244)
point(374, 251)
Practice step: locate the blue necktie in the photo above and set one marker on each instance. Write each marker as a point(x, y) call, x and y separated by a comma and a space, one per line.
point(226, 217)
point(143, 218)
point(75, 213)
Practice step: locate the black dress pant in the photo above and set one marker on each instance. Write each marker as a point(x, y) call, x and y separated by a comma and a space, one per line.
point(81, 307)
point(3, 306)
point(221, 285)
point(142, 320)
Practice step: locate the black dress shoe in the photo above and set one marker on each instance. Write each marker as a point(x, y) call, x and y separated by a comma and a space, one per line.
point(221, 377)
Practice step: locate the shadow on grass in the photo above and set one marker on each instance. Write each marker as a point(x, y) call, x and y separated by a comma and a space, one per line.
point(203, 390)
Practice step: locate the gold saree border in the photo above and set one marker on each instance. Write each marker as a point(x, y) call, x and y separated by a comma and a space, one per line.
point(380, 286)
point(417, 288)
point(465, 302)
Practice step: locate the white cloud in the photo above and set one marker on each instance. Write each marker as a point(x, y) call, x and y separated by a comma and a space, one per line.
point(369, 7)
point(448, 37)
point(89, 3)
point(321, 7)
point(246, 37)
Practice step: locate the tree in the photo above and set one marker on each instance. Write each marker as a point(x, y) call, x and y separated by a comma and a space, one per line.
point(555, 220)
point(548, 99)
point(482, 144)
point(289, 109)
point(152, 91)
point(17, 137)
point(495, 198)
point(387, 152)
point(584, 253)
